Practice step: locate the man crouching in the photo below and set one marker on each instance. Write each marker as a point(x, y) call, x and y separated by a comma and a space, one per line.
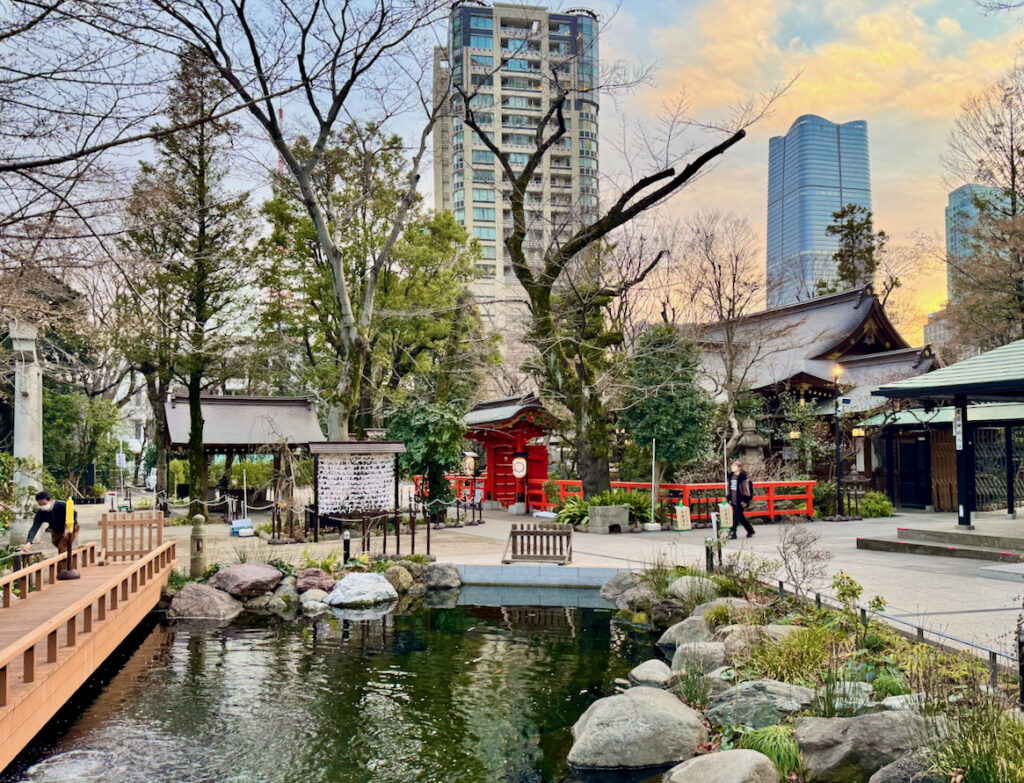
point(53, 514)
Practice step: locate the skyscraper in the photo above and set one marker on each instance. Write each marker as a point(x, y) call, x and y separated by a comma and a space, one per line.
point(817, 168)
point(503, 55)
point(961, 214)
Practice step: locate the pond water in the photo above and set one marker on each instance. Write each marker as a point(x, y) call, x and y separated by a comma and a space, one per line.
point(467, 694)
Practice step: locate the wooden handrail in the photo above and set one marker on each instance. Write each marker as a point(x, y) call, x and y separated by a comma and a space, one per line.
point(162, 557)
point(118, 534)
point(51, 564)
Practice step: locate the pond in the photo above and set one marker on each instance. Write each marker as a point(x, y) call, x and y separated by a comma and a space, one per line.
point(468, 694)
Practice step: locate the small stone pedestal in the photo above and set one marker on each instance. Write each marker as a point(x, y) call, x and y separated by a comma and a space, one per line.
point(517, 508)
point(608, 519)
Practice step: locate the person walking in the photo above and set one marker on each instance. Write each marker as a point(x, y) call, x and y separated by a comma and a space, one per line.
point(740, 493)
point(53, 514)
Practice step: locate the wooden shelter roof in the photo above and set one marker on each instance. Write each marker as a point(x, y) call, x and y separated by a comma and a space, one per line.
point(993, 376)
point(241, 423)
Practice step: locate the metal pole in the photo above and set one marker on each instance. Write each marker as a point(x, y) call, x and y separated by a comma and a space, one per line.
point(963, 468)
point(839, 467)
point(347, 539)
point(654, 462)
point(1011, 473)
point(709, 555)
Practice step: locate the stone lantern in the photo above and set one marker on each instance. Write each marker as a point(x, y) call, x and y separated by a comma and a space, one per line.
point(751, 445)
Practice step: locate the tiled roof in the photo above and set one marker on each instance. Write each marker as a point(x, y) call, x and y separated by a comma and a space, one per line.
point(997, 375)
point(245, 422)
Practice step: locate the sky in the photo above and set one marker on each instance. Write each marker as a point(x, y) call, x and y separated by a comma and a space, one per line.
point(904, 66)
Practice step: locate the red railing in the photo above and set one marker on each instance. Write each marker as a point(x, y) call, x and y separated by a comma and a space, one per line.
point(464, 487)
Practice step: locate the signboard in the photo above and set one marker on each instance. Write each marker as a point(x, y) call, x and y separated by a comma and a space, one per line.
point(519, 467)
point(121, 460)
point(958, 428)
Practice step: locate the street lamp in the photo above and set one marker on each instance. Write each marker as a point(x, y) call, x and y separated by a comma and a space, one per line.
point(839, 480)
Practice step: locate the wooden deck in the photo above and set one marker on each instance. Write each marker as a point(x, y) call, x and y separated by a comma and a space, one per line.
point(55, 634)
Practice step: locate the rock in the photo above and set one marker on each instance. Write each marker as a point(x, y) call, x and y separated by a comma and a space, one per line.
point(653, 673)
point(732, 603)
point(758, 703)
point(729, 766)
point(738, 639)
point(636, 599)
point(313, 608)
point(314, 579)
point(287, 593)
point(199, 601)
point(312, 595)
point(268, 603)
point(361, 590)
point(441, 599)
point(643, 727)
point(290, 580)
point(619, 584)
point(720, 680)
point(777, 633)
point(375, 612)
point(705, 656)
point(905, 701)
point(417, 589)
point(692, 589)
point(399, 578)
point(849, 750)
point(692, 629)
point(851, 696)
point(246, 580)
point(667, 612)
point(442, 576)
point(911, 767)
point(418, 571)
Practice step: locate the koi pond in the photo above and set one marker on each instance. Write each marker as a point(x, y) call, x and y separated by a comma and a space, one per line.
point(472, 694)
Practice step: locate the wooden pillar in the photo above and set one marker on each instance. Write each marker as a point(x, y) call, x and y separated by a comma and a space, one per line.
point(1011, 473)
point(890, 464)
point(964, 462)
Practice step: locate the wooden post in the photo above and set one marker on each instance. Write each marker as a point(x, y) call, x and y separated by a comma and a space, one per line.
point(1011, 473)
point(964, 466)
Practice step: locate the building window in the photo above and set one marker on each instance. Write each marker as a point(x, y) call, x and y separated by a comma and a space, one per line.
point(483, 156)
point(481, 101)
point(483, 232)
point(481, 59)
point(485, 195)
point(481, 78)
point(564, 28)
point(487, 252)
point(483, 176)
point(460, 215)
point(487, 270)
point(518, 158)
point(483, 213)
point(481, 42)
point(481, 22)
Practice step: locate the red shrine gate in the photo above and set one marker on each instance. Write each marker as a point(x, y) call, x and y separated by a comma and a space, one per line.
point(505, 428)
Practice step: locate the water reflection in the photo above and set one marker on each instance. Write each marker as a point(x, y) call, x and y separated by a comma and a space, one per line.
point(460, 694)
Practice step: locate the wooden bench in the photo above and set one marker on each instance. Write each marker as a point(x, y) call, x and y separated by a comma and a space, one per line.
point(546, 542)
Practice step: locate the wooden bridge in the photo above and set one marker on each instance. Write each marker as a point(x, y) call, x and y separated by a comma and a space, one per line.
point(55, 634)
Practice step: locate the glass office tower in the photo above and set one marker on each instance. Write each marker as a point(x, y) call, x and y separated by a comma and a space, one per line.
point(961, 213)
point(817, 168)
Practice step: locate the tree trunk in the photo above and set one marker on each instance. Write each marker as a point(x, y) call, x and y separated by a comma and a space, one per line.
point(198, 480)
point(593, 449)
point(157, 397)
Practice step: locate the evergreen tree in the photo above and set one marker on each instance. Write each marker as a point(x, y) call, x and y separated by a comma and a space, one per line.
point(860, 249)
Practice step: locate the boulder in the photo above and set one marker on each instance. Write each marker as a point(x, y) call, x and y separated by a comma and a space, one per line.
point(738, 639)
point(313, 608)
point(777, 633)
point(441, 599)
point(287, 593)
point(850, 750)
point(643, 727)
point(667, 612)
point(290, 580)
point(361, 589)
point(729, 766)
point(314, 579)
point(399, 578)
point(911, 767)
point(692, 629)
point(246, 580)
point(268, 603)
point(704, 656)
point(199, 601)
point(416, 590)
point(758, 703)
point(636, 599)
point(312, 595)
point(418, 571)
point(692, 589)
point(653, 673)
point(851, 696)
point(905, 701)
point(442, 576)
point(720, 680)
point(360, 614)
point(732, 603)
point(619, 584)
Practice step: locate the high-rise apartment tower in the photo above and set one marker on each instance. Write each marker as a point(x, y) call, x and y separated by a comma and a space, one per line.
point(964, 206)
point(817, 168)
point(505, 57)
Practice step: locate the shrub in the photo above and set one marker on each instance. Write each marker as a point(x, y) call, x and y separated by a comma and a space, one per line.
point(799, 658)
point(286, 568)
point(875, 504)
point(984, 744)
point(639, 504)
point(660, 574)
point(824, 499)
point(716, 616)
point(574, 512)
point(417, 558)
point(692, 687)
point(210, 571)
point(728, 586)
point(381, 566)
point(777, 743)
point(177, 580)
point(889, 682)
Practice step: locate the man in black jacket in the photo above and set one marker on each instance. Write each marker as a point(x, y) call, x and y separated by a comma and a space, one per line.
point(740, 493)
point(52, 513)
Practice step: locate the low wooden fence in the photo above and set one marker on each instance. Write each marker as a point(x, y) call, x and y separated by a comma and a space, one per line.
point(130, 535)
point(539, 542)
point(35, 577)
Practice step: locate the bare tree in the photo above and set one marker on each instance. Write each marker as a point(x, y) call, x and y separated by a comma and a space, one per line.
point(805, 563)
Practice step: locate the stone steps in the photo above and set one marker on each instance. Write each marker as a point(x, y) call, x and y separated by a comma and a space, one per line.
point(962, 538)
point(940, 549)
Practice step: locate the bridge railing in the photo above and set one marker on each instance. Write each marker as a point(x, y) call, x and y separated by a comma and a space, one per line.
point(95, 605)
point(130, 535)
point(34, 577)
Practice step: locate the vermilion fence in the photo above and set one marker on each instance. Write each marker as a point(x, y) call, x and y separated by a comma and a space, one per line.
point(798, 496)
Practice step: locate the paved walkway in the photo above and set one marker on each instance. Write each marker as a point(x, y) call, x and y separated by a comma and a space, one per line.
point(945, 594)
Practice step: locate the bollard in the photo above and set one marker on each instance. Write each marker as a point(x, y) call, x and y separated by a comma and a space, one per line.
point(197, 562)
point(817, 600)
point(993, 670)
point(347, 538)
point(782, 589)
point(864, 617)
point(709, 555)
